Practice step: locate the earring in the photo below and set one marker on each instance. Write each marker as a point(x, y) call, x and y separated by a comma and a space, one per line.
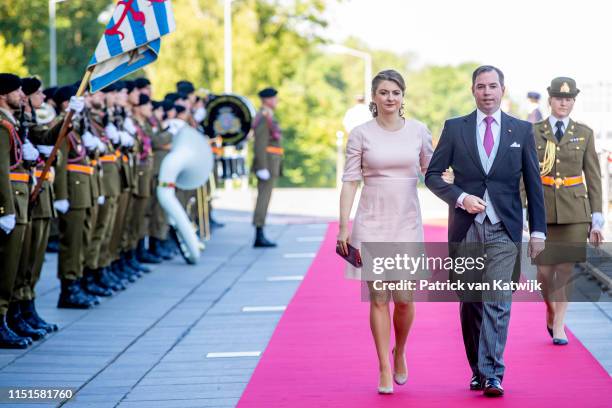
point(401, 111)
point(373, 109)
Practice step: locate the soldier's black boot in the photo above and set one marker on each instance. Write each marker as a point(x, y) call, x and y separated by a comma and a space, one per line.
point(30, 315)
point(170, 246)
point(156, 247)
point(89, 285)
point(145, 256)
point(97, 278)
point(117, 272)
point(72, 297)
point(109, 280)
point(91, 298)
point(261, 241)
point(15, 321)
point(132, 261)
point(10, 340)
point(129, 272)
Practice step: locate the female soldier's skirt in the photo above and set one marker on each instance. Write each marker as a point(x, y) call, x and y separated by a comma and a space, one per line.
point(564, 243)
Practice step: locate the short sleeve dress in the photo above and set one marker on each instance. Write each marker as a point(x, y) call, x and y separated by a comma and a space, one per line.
point(389, 164)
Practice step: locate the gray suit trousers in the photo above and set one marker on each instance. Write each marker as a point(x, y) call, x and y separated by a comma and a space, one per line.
point(485, 324)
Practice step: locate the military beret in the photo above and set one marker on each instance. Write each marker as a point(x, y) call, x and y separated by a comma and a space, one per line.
point(130, 85)
point(168, 105)
point(172, 97)
point(63, 94)
point(9, 83)
point(179, 109)
point(563, 87)
point(185, 87)
point(110, 88)
point(119, 85)
point(267, 93)
point(49, 92)
point(142, 82)
point(143, 99)
point(533, 95)
point(30, 85)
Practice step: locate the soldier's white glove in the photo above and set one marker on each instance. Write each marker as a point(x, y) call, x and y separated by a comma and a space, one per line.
point(101, 145)
point(7, 223)
point(76, 104)
point(126, 139)
point(199, 114)
point(101, 200)
point(45, 150)
point(112, 133)
point(597, 221)
point(61, 206)
point(525, 222)
point(263, 174)
point(29, 151)
point(129, 126)
point(89, 141)
point(175, 126)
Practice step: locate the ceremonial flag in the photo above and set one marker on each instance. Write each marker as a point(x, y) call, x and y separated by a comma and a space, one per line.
point(131, 40)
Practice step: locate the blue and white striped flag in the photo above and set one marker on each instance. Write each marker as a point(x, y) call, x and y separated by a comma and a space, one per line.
point(131, 40)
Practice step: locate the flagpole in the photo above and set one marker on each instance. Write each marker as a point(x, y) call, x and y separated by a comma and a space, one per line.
point(60, 138)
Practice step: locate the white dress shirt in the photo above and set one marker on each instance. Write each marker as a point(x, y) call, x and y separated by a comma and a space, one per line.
point(553, 123)
point(487, 162)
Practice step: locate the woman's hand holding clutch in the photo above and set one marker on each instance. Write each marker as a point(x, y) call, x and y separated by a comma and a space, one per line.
point(343, 240)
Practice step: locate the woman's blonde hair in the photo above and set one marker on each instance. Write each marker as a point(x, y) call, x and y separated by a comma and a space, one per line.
point(386, 75)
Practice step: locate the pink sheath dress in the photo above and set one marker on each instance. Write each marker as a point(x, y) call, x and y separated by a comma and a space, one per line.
point(389, 164)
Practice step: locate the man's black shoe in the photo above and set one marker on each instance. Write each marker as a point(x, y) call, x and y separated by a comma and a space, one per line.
point(493, 388)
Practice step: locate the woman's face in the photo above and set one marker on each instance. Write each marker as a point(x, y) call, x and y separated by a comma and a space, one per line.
point(388, 98)
point(561, 107)
point(37, 98)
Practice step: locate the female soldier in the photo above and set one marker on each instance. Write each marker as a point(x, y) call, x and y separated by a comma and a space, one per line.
point(568, 161)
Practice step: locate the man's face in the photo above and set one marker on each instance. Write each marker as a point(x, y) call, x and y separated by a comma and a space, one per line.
point(146, 90)
point(270, 102)
point(97, 100)
point(121, 97)
point(14, 99)
point(192, 97)
point(488, 92)
point(159, 113)
point(561, 108)
point(134, 96)
point(146, 110)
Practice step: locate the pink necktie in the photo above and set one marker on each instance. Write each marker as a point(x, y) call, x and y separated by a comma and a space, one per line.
point(488, 136)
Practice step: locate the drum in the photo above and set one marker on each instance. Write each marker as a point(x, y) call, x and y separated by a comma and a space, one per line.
point(230, 117)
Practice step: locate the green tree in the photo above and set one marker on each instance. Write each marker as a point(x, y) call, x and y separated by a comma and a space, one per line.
point(436, 93)
point(11, 58)
point(26, 23)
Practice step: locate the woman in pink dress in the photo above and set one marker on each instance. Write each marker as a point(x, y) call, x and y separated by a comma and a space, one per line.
point(387, 153)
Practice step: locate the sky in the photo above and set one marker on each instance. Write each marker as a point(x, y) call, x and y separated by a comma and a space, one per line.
point(532, 41)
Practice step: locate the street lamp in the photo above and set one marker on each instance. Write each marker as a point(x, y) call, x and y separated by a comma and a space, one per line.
point(52, 44)
point(367, 61)
point(227, 26)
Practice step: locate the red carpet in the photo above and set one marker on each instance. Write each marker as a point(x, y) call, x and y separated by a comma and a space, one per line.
point(322, 354)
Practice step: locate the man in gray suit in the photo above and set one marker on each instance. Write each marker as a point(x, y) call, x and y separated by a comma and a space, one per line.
point(488, 151)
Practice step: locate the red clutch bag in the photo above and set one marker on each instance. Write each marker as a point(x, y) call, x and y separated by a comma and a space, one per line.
point(353, 257)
